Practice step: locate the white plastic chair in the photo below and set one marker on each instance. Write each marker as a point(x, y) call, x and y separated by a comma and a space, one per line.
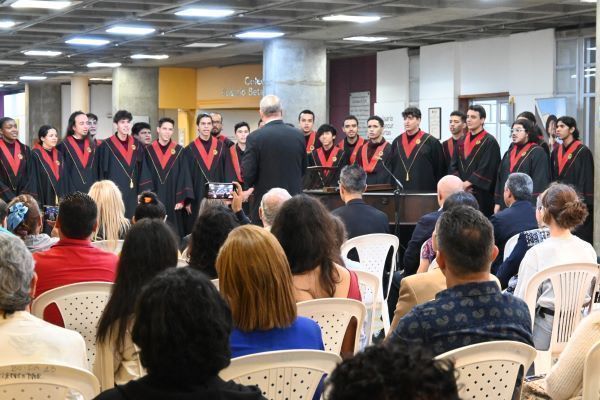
point(284, 374)
point(372, 297)
point(333, 316)
point(216, 283)
point(112, 246)
point(591, 374)
point(491, 370)
point(510, 246)
point(46, 381)
point(571, 284)
point(80, 305)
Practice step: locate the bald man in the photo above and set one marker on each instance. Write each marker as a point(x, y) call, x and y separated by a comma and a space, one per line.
point(270, 204)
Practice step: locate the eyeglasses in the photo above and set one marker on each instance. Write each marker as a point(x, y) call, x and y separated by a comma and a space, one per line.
point(517, 130)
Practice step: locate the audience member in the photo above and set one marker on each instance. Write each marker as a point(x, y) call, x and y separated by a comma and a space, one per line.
point(393, 372)
point(25, 220)
point(149, 206)
point(472, 309)
point(73, 259)
point(3, 216)
point(519, 216)
point(112, 224)
point(210, 232)
point(270, 204)
point(359, 217)
point(149, 248)
point(255, 279)
point(562, 211)
point(23, 337)
point(182, 328)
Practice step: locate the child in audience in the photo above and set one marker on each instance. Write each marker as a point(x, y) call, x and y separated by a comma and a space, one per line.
point(25, 220)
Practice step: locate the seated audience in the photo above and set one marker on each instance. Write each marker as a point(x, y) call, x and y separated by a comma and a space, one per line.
point(270, 204)
point(25, 220)
point(149, 206)
point(3, 215)
point(256, 282)
point(112, 224)
point(182, 328)
point(519, 216)
point(73, 259)
point(393, 372)
point(210, 232)
point(23, 337)
point(149, 248)
point(472, 309)
point(562, 211)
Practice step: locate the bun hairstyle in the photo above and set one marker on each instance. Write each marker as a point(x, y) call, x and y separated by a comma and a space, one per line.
point(149, 206)
point(562, 204)
point(25, 218)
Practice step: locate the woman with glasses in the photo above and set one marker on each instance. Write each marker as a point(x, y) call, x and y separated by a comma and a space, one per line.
point(526, 156)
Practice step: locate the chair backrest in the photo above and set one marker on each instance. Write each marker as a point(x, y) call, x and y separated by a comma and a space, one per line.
point(216, 283)
point(46, 381)
point(372, 298)
point(510, 246)
point(591, 373)
point(491, 370)
point(333, 316)
point(112, 246)
point(285, 374)
point(80, 305)
point(571, 283)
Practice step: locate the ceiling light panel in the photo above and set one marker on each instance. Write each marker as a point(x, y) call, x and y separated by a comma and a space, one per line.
point(369, 39)
point(204, 44)
point(49, 5)
point(42, 53)
point(149, 56)
point(360, 19)
point(103, 64)
point(130, 30)
point(32, 78)
point(85, 41)
point(259, 35)
point(205, 12)
point(5, 24)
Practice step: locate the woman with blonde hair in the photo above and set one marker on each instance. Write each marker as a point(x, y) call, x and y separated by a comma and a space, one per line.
point(112, 224)
point(255, 279)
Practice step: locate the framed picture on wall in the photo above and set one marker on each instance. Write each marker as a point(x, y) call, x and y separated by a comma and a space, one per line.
point(435, 122)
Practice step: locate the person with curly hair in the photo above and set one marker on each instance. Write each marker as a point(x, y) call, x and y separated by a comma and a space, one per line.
point(25, 220)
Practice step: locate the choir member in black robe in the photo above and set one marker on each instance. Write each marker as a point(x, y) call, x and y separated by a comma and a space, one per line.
point(458, 126)
point(328, 156)
point(352, 143)
point(526, 156)
point(217, 129)
point(121, 159)
point(306, 122)
point(538, 132)
point(235, 154)
point(573, 164)
point(79, 151)
point(477, 159)
point(48, 181)
point(205, 158)
point(171, 179)
point(417, 157)
point(14, 160)
point(375, 152)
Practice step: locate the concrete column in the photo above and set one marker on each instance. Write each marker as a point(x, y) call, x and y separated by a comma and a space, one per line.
point(296, 72)
point(80, 94)
point(43, 107)
point(596, 148)
point(136, 90)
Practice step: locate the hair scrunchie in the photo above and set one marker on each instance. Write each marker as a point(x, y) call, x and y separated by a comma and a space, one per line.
point(17, 214)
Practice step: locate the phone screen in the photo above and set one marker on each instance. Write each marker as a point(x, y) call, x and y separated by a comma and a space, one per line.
point(50, 213)
point(219, 190)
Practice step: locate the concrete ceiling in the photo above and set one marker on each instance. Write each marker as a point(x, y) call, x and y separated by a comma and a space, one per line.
point(408, 23)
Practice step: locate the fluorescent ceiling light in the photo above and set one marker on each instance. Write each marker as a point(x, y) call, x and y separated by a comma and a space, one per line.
point(32, 78)
point(366, 38)
point(12, 62)
point(87, 41)
point(205, 12)
point(259, 35)
point(51, 5)
point(5, 24)
point(101, 79)
point(60, 72)
point(361, 19)
point(130, 30)
point(8, 82)
point(149, 56)
point(44, 53)
point(201, 44)
point(103, 64)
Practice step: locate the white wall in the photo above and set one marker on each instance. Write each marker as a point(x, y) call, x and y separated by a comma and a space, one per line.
point(15, 107)
point(392, 89)
point(100, 104)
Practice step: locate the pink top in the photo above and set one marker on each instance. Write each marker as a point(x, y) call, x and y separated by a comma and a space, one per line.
point(354, 289)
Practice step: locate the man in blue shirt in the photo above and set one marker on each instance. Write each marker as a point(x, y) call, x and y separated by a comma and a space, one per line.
point(472, 310)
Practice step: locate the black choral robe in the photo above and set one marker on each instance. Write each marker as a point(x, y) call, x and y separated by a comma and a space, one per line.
point(334, 158)
point(371, 156)
point(15, 166)
point(48, 181)
point(233, 165)
point(476, 160)
point(81, 162)
point(351, 150)
point(449, 146)
point(418, 161)
point(126, 167)
point(529, 159)
point(225, 140)
point(574, 165)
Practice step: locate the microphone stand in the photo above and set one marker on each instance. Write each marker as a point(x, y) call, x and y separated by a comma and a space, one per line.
point(397, 191)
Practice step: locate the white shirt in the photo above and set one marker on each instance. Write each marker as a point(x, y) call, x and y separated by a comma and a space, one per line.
point(28, 339)
point(551, 252)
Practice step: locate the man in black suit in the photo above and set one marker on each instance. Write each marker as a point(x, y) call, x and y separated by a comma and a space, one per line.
point(275, 155)
point(519, 216)
point(358, 217)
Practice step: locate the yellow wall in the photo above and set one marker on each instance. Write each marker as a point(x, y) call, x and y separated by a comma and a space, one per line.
point(176, 88)
point(238, 86)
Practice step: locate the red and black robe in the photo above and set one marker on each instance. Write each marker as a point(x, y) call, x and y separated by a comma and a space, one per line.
point(81, 162)
point(48, 181)
point(370, 158)
point(233, 165)
point(332, 158)
point(449, 146)
point(351, 150)
point(15, 160)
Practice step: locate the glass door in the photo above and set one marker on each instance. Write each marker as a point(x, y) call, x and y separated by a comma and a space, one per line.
point(499, 119)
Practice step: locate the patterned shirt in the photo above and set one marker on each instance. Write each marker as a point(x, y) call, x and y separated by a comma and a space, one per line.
point(464, 315)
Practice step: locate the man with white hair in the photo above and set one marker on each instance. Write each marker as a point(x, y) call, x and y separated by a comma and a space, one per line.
point(275, 155)
point(270, 204)
point(23, 337)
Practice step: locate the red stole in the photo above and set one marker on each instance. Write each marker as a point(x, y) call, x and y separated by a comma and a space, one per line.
point(470, 143)
point(14, 160)
point(53, 162)
point(563, 158)
point(359, 143)
point(327, 162)
point(235, 160)
point(207, 158)
point(514, 156)
point(409, 147)
point(369, 165)
point(127, 155)
point(164, 158)
point(83, 155)
point(310, 145)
